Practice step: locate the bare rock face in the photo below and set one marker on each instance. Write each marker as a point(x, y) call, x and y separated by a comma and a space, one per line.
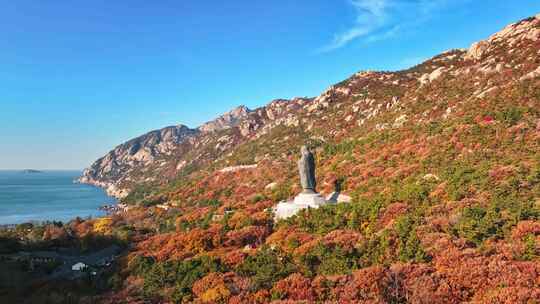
point(531, 75)
point(109, 171)
point(227, 120)
point(476, 50)
point(275, 108)
point(426, 78)
point(511, 35)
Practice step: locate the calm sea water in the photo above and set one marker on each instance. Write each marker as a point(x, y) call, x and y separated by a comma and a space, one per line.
point(50, 195)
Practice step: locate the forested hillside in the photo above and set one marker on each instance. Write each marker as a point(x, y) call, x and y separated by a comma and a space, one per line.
point(442, 162)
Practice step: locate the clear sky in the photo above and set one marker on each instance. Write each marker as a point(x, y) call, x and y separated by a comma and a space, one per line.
point(79, 77)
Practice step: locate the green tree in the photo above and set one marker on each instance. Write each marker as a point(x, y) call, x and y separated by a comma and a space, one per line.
point(265, 268)
point(478, 224)
point(410, 248)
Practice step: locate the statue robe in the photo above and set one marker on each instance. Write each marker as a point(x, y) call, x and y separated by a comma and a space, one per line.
point(306, 168)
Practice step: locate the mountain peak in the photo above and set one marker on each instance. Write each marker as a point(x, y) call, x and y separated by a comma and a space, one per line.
point(228, 120)
point(509, 36)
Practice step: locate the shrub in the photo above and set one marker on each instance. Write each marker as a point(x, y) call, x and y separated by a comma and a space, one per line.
point(321, 220)
point(139, 193)
point(530, 253)
point(412, 191)
point(139, 265)
point(339, 216)
point(203, 222)
point(376, 250)
point(329, 261)
point(209, 203)
point(281, 192)
point(478, 224)
point(510, 116)
point(257, 198)
point(461, 177)
point(265, 268)
point(410, 248)
point(178, 274)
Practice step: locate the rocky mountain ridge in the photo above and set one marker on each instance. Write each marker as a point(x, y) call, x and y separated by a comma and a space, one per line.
point(165, 152)
point(227, 120)
point(358, 102)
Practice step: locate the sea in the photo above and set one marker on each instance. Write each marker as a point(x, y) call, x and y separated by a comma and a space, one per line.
point(48, 196)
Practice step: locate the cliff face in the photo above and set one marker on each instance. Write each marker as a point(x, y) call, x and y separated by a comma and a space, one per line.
point(371, 101)
point(121, 164)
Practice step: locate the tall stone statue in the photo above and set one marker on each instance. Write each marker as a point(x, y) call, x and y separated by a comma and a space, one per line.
point(308, 198)
point(306, 167)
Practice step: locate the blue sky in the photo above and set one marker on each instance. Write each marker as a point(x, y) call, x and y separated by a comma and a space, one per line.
point(79, 77)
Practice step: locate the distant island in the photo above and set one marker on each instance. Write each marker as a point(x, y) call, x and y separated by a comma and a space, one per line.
point(31, 171)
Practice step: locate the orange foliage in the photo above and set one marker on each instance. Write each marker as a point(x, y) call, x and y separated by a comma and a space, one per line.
point(501, 172)
point(391, 213)
point(53, 232)
point(103, 225)
point(234, 258)
point(366, 285)
point(524, 228)
point(211, 288)
point(283, 237)
point(346, 239)
point(295, 287)
point(177, 246)
point(252, 235)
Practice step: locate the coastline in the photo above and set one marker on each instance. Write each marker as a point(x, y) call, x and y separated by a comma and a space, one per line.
point(51, 196)
point(110, 188)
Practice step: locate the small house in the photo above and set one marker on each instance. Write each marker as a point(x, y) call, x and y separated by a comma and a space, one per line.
point(80, 266)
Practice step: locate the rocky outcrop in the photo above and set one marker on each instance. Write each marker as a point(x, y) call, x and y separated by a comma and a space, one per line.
point(227, 120)
point(477, 50)
point(109, 171)
point(510, 35)
point(531, 75)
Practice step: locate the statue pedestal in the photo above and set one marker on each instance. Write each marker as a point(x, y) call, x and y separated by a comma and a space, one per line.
point(313, 200)
point(286, 209)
